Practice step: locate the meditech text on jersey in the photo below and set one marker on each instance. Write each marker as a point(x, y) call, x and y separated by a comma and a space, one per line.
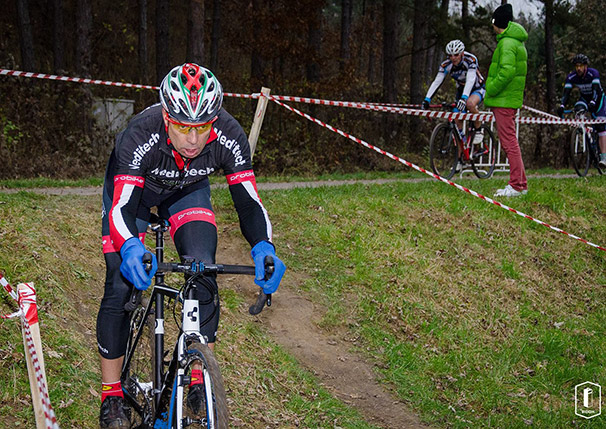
point(142, 149)
point(172, 174)
point(232, 145)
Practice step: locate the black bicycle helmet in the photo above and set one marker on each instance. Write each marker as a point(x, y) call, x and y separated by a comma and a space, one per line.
point(580, 59)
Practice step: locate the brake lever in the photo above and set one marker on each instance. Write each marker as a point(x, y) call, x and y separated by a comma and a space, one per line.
point(263, 298)
point(135, 296)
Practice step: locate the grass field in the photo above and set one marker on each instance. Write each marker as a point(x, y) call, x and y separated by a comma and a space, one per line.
point(474, 316)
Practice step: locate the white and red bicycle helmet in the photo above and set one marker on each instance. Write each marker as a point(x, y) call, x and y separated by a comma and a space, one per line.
point(191, 94)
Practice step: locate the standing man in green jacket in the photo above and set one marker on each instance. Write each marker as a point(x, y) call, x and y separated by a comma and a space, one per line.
point(505, 93)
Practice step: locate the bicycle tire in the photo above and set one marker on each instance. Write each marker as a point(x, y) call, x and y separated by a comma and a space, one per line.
point(488, 149)
point(579, 152)
point(137, 379)
point(443, 151)
point(215, 399)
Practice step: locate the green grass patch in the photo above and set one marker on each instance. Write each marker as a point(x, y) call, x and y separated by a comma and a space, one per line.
point(475, 316)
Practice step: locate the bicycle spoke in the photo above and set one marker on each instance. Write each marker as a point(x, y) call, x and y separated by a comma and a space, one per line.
point(484, 155)
point(579, 152)
point(203, 405)
point(137, 380)
point(443, 152)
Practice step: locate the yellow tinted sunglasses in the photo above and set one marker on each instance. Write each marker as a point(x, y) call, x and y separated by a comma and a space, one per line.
point(185, 129)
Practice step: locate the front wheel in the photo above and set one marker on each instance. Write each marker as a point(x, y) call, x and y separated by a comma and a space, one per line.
point(484, 155)
point(443, 151)
point(206, 405)
point(579, 151)
point(139, 365)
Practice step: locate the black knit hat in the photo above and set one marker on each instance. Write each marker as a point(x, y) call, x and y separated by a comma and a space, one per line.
point(502, 15)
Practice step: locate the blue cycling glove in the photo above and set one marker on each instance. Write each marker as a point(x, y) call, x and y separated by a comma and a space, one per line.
point(132, 267)
point(258, 253)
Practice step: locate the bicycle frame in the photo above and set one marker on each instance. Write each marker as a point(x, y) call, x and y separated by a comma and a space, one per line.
point(166, 391)
point(464, 146)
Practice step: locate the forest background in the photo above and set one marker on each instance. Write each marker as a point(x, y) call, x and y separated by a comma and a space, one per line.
point(354, 50)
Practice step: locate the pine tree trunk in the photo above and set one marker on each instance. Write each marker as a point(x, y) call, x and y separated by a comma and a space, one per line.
point(28, 57)
point(195, 32)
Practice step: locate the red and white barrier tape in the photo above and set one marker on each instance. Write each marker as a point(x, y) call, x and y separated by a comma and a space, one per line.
point(406, 109)
point(412, 111)
point(29, 315)
point(7, 287)
point(539, 112)
point(12, 315)
point(17, 73)
point(4, 72)
point(435, 176)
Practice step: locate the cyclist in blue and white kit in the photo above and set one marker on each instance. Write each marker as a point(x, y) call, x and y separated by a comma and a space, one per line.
point(163, 160)
point(592, 97)
point(463, 67)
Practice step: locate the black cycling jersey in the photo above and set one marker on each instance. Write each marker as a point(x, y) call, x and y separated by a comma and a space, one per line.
point(144, 172)
point(590, 88)
point(144, 169)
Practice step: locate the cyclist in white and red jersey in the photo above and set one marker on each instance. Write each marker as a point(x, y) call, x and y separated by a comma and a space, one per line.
point(163, 159)
point(464, 69)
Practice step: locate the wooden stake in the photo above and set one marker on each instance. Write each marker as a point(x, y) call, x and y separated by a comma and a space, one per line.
point(258, 121)
point(31, 314)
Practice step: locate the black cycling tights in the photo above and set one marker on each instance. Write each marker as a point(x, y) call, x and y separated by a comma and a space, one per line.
point(196, 239)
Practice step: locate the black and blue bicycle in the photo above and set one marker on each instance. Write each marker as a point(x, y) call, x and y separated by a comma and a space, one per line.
point(157, 384)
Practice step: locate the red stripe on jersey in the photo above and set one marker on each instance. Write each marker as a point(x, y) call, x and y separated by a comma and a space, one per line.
point(118, 229)
point(108, 244)
point(242, 176)
point(125, 179)
point(189, 215)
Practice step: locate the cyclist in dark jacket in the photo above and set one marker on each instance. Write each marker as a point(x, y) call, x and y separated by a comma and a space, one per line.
point(163, 159)
point(592, 97)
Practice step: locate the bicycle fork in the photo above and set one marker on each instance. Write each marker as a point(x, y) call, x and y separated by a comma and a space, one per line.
point(191, 332)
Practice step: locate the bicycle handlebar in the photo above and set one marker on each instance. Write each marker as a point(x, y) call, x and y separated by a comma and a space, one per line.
point(201, 267)
point(192, 267)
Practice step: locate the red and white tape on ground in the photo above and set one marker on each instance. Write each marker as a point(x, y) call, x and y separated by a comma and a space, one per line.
point(28, 312)
point(429, 173)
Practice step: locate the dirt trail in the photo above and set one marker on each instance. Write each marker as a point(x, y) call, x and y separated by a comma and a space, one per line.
point(292, 323)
